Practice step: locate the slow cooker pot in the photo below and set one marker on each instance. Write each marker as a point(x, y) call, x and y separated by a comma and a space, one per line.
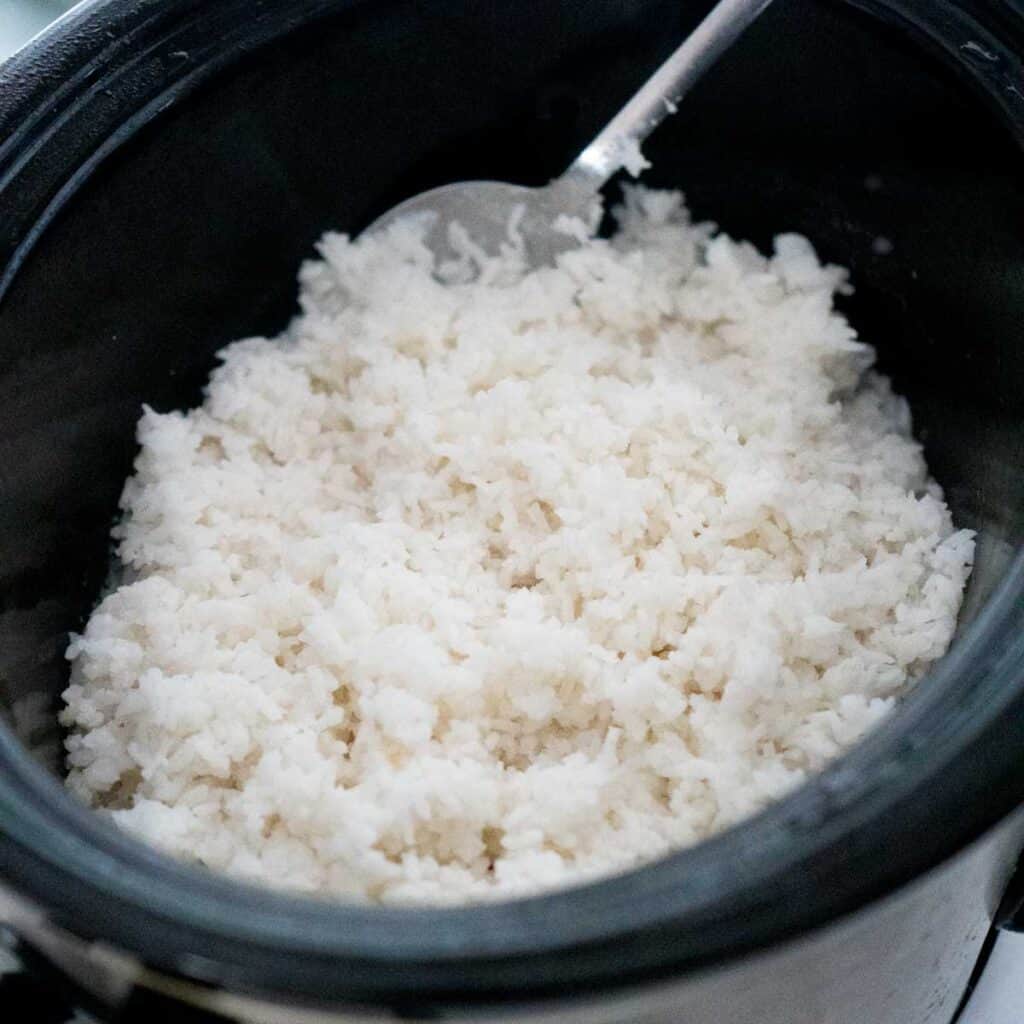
point(164, 167)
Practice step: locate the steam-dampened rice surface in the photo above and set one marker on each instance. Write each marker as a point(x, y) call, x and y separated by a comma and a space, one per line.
point(471, 589)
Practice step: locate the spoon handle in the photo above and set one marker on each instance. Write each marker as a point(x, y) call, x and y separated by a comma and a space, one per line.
point(617, 144)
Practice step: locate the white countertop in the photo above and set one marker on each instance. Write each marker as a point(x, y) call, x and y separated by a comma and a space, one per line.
point(999, 996)
point(22, 19)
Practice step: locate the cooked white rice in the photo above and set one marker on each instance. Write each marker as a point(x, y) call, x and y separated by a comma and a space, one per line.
point(467, 590)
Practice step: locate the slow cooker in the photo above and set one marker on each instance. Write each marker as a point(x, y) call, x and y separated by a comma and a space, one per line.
point(165, 165)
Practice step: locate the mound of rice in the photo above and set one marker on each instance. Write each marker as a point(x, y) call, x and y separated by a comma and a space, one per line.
point(470, 589)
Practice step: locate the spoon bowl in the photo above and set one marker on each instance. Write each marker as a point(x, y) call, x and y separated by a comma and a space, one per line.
point(492, 213)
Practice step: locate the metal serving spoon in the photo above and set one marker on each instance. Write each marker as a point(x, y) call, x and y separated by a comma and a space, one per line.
point(484, 208)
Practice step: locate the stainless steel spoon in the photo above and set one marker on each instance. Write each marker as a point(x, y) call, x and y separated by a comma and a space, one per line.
point(484, 208)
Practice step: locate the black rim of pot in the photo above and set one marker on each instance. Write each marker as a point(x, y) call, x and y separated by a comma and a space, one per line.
point(72, 97)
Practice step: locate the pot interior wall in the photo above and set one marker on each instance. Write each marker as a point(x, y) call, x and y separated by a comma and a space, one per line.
point(822, 121)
